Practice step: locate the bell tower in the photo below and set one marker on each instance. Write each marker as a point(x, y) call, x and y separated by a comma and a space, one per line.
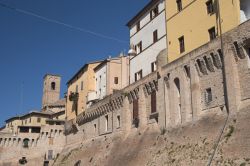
point(51, 89)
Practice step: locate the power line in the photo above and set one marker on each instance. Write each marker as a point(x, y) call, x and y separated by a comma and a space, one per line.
point(61, 23)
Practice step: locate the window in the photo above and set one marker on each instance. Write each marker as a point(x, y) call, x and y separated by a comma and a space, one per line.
point(182, 44)
point(26, 143)
point(153, 66)
point(153, 102)
point(118, 121)
point(179, 5)
point(212, 34)
point(210, 7)
point(138, 26)
point(208, 95)
point(138, 48)
point(138, 75)
point(50, 154)
point(82, 85)
point(26, 121)
point(116, 80)
point(106, 121)
point(53, 86)
point(154, 12)
point(30, 120)
point(95, 127)
point(155, 36)
point(76, 88)
point(38, 120)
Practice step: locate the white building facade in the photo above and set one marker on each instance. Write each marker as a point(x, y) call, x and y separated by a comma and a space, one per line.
point(101, 81)
point(148, 37)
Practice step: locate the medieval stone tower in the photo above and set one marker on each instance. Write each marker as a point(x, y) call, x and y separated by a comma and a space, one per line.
point(51, 89)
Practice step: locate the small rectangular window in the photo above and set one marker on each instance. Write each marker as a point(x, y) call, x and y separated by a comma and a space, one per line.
point(140, 74)
point(179, 5)
point(116, 80)
point(118, 121)
point(153, 66)
point(38, 120)
point(155, 36)
point(139, 48)
point(154, 12)
point(82, 85)
point(182, 44)
point(30, 120)
point(135, 76)
point(210, 7)
point(76, 88)
point(138, 26)
point(212, 33)
point(208, 95)
point(94, 127)
point(107, 122)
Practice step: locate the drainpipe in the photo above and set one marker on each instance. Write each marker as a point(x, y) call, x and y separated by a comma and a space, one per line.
point(225, 89)
point(223, 59)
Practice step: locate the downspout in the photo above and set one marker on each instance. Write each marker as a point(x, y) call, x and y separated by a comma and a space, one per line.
point(224, 87)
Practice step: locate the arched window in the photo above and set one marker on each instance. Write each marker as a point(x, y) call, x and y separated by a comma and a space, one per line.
point(26, 143)
point(53, 86)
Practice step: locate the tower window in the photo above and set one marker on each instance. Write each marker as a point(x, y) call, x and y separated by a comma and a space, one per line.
point(210, 7)
point(179, 5)
point(53, 86)
point(182, 44)
point(212, 33)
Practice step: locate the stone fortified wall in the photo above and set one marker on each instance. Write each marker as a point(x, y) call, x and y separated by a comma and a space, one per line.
point(12, 147)
point(203, 82)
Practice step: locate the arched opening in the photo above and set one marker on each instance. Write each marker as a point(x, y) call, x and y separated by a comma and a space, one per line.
point(177, 100)
point(26, 143)
point(53, 86)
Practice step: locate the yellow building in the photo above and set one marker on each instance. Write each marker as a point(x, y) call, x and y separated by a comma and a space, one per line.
point(79, 86)
point(33, 121)
point(193, 23)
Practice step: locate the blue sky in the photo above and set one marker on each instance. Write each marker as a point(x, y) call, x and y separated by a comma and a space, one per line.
point(31, 47)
